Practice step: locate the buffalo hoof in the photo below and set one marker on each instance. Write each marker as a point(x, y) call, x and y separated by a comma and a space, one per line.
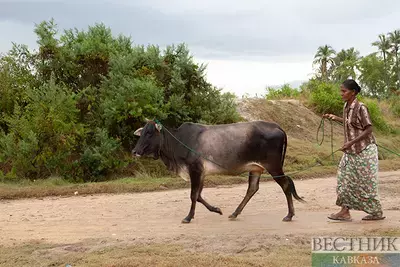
point(233, 216)
point(186, 220)
point(217, 210)
point(287, 218)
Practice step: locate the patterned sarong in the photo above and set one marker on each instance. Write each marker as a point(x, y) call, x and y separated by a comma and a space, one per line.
point(357, 186)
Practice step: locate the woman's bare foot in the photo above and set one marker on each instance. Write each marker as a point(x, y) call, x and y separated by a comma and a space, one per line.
point(342, 215)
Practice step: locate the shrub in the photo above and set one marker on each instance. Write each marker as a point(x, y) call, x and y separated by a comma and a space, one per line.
point(217, 107)
point(41, 135)
point(125, 101)
point(283, 92)
point(71, 107)
point(45, 138)
point(375, 112)
point(325, 97)
point(100, 156)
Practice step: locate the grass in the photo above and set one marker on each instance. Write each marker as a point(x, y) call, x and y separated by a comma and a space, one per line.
point(147, 255)
point(154, 254)
point(59, 187)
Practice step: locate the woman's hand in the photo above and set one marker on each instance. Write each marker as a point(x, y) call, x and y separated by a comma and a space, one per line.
point(330, 116)
point(333, 117)
point(346, 146)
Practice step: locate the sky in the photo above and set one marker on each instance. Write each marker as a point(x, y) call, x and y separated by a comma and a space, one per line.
point(247, 45)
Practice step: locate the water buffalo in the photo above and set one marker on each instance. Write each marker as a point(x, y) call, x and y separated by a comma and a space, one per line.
point(229, 149)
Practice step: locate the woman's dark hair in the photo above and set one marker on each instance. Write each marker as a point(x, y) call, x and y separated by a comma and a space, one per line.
point(351, 85)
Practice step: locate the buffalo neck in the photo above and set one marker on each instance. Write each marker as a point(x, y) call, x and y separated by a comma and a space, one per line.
point(167, 151)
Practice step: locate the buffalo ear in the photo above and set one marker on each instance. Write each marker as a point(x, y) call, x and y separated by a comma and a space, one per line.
point(138, 131)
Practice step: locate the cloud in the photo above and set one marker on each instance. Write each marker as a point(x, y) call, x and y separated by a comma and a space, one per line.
point(223, 33)
point(223, 29)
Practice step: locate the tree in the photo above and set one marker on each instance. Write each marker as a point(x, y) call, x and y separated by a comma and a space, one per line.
point(345, 64)
point(394, 39)
point(16, 78)
point(372, 76)
point(324, 57)
point(383, 44)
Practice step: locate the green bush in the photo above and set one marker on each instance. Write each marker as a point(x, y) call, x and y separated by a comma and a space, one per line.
point(100, 156)
point(41, 135)
point(71, 107)
point(15, 77)
point(45, 138)
point(325, 97)
point(126, 102)
point(216, 107)
point(375, 112)
point(283, 92)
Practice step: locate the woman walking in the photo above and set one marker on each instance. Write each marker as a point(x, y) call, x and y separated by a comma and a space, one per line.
point(357, 185)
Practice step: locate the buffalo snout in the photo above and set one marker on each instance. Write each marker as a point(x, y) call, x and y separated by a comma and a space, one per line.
point(135, 153)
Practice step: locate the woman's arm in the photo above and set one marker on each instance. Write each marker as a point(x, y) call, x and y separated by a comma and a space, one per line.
point(362, 136)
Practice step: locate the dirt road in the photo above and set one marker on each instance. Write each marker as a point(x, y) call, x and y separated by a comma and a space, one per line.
point(156, 217)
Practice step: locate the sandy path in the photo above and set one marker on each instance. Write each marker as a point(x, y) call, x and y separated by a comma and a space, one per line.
point(156, 216)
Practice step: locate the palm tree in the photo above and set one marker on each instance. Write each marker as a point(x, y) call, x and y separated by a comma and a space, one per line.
point(384, 45)
point(346, 62)
point(394, 39)
point(323, 57)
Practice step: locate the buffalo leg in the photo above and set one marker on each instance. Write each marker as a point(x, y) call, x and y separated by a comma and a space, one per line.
point(195, 181)
point(202, 201)
point(254, 180)
point(283, 181)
